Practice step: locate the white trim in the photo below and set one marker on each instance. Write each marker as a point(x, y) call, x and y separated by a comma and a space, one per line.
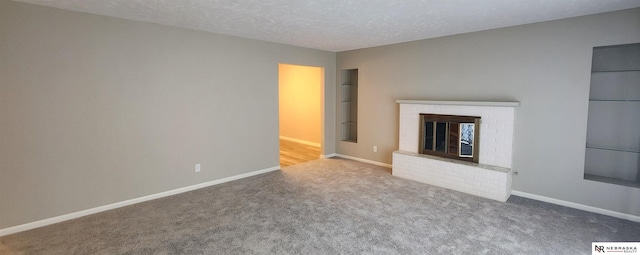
point(328, 155)
point(299, 141)
point(364, 160)
point(65, 217)
point(468, 103)
point(577, 206)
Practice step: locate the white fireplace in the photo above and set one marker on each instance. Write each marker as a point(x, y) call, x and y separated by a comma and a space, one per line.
point(490, 177)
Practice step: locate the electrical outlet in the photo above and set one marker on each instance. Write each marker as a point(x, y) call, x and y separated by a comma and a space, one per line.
point(375, 148)
point(197, 168)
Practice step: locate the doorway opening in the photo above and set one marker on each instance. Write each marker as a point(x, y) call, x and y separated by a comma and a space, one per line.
point(300, 113)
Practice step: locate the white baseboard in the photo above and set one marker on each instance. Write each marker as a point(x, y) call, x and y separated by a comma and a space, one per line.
point(364, 160)
point(577, 206)
point(328, 155)
point(53, 220)
point(299, 141)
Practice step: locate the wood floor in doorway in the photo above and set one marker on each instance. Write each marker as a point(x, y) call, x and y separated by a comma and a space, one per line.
point(292, 153)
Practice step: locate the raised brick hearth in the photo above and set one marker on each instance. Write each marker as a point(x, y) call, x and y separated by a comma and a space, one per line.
point(490, 178)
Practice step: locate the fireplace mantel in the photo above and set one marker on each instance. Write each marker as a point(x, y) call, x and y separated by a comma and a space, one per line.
point(467, 103)
point(490, 178)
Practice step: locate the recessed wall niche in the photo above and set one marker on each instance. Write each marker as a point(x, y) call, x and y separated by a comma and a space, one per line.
point(612, 152)
point(349, 105)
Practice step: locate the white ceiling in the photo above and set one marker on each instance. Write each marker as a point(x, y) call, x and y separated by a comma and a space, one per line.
point(339, 25)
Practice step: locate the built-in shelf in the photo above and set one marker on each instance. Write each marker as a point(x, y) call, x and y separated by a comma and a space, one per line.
point(612, 154)
point(349, 105)
point(598, 147)
point(614, 100)
point(615, 71)
point(599, 178)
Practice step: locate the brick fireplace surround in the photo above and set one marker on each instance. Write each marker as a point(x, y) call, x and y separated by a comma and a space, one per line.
point(490, 178)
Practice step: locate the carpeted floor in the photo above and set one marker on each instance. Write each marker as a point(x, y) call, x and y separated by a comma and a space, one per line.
point(327, 206)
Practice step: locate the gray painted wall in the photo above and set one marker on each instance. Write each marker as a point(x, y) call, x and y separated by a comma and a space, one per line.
point(97, 110)
point(546, 66)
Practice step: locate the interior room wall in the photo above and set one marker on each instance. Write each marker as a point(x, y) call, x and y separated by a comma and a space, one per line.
point(545, 66)
point(96, 110)
point(300, 93)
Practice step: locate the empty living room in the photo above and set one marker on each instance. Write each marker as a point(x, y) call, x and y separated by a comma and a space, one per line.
point(443, 127)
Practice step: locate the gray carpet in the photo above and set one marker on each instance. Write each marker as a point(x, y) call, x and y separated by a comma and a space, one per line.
point(327, 206)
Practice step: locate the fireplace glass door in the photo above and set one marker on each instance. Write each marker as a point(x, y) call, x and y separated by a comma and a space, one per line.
point(466, 139)
point(449, 136)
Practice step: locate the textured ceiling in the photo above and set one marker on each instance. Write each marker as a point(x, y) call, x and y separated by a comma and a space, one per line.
point(339, 25)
